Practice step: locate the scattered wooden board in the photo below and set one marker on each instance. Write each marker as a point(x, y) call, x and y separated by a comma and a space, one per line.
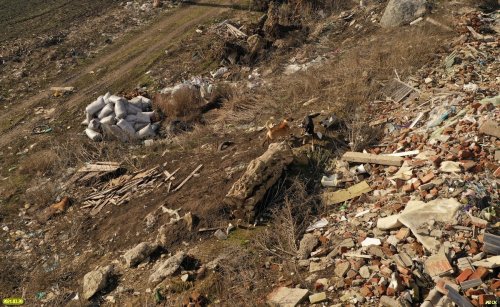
point(187, 178)
point(360, 157)
point(341, 196)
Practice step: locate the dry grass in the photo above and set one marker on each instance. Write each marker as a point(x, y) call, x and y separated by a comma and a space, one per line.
point(182, 104)
point(240, 278)
point(41, 163)
point(290, 221)
point(41, 193)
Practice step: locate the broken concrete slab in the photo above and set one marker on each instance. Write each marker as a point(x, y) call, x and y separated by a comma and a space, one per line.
point(95, 281)
point(317, 298)
point(490, 263)
point(418, 213)
point(490, 127)
point(286, 297)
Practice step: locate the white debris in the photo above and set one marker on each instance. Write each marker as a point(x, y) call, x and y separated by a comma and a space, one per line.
point(133, 118)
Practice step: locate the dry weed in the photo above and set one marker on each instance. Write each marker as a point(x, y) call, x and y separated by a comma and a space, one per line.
point(290, 221)
point(41, 194)
point(183, 105)
point(41, 163)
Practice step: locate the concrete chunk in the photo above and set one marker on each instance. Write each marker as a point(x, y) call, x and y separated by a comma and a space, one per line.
point(286, 297)
point(490, 127)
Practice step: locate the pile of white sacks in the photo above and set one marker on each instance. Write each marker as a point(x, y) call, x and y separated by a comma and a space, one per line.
point(118, 118)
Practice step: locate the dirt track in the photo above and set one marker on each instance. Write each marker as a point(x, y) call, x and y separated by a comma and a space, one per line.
point(121, 65)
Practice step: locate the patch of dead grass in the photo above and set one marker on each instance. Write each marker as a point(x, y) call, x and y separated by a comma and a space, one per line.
point(40, 163)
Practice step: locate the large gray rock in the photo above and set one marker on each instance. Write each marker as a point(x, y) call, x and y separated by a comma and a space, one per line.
point(400, 12)
point(167, 268)
point(137, 254)
point(262, 173)
point(95, 281)
point(307, 245)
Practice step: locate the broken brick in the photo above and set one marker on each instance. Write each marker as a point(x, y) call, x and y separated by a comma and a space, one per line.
point(427, 178)
point(480, 273)
point(464, 276)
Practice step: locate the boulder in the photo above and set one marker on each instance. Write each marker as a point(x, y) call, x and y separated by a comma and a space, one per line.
point(137, 254)
point(307, 245)
point(400, 12)
point(95, 281)
point(167, 268)
point(262, 173)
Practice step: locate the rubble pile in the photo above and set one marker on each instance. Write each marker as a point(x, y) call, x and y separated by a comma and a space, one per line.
point(415, 219)
point(115, 117)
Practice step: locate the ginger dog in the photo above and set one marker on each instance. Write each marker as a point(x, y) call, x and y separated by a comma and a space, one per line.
point(273, 133)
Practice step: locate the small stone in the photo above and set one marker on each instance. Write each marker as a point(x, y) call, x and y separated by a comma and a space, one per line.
point(364, 271)
point(342, 268)
point(221, 235)
point(317, 298)
point(307, 245)
point(403, 234)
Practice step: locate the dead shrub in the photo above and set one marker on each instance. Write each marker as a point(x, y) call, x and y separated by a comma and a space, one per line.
point(184, 104)
point(290, 221)
point(39, 163)
point(41, 194)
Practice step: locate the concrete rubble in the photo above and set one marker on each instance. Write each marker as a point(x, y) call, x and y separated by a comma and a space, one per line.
point(414, 220)
point(116, 118)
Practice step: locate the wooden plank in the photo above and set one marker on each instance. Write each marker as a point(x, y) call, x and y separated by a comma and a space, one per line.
point(188, 177)
point(62, 89)
point(170, 175)
point(98, 168)
point(403, 154)
point(341, 196)
point(360, 157)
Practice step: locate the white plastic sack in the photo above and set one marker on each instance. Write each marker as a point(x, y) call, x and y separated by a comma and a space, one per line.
point(146, 132)
point(126, 126)
point(87, 120)
point(139, 126)
point(94, 136)
point(143, 117)
point(109, 120)
point(132, 109)
point(106, 97)
point(120, 109)
point(114, 98)
point(132, 119)
point(108, 109)
point(95, 106)
point(94, 125)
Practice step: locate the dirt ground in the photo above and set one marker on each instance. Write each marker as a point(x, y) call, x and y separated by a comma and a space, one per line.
point(45, 262)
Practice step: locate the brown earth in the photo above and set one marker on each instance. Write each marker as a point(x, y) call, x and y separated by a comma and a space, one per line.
point(72, 244)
